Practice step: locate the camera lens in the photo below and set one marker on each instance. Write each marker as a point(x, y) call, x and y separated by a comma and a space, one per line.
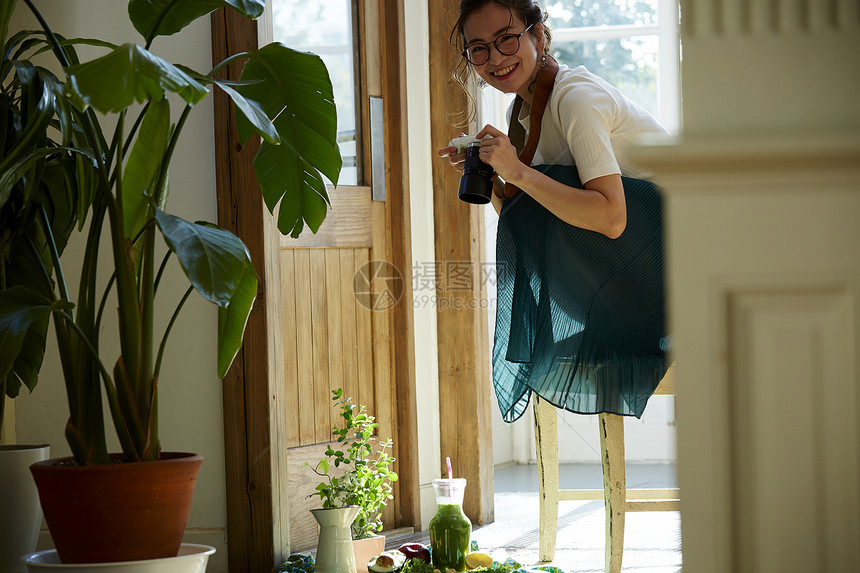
point(476, 184)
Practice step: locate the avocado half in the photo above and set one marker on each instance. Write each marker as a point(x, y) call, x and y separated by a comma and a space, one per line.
point(386, 562)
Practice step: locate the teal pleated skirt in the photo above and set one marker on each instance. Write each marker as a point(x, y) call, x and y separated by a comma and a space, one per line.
point(580, 317)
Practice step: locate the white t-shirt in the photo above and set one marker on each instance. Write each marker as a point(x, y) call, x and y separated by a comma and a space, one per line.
point(587, 122)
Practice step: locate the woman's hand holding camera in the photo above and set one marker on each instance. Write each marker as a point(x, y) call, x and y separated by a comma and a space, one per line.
point(498, 152)
point(455, 155)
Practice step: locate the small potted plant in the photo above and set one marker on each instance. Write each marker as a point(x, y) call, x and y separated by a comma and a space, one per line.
point(357, 481)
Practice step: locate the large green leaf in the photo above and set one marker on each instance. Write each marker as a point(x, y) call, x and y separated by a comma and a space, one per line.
point(127, 74)
point(144, 166)
point(302, 202)
point(6, 9)
point(232, 319)
point(294, 89)
point(219, 266)
point(29, 360)
point(252, 111)
point(68, 44)
point(20, 309)
point(214, 259)
point(33, 131)
point(165, 17)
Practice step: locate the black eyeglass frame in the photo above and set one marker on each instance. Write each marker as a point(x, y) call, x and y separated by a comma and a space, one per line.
point(495, 43)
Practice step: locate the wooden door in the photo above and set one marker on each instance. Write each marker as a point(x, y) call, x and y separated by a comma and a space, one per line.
point(333, 339)
point(344, 290)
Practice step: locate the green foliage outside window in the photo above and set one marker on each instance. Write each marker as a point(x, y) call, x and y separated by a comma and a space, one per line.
point(630, 64)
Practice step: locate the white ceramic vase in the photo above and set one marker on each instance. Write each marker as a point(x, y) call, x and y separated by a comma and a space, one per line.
point(20, 511)
point(192, 558)
point(334, 550)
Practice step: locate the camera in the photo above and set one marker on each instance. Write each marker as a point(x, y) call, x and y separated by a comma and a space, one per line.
point(476, 183)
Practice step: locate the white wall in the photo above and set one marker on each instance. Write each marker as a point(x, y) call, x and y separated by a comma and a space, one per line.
point(762, 208)
point(650, 439)
point(421, 212)
point(189, 389)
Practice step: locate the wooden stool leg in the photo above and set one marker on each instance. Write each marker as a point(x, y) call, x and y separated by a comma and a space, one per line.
point(614, 487)
point(546, 444)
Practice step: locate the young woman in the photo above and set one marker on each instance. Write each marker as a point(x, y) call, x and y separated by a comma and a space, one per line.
point(587, 120)
point(580, 320)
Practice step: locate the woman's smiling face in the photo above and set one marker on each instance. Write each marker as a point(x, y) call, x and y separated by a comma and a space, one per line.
point(505, 73)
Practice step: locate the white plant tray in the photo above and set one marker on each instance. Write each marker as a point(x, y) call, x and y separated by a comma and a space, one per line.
point(192, 558)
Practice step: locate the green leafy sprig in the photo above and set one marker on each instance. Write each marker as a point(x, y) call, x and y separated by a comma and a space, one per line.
point(354, 473)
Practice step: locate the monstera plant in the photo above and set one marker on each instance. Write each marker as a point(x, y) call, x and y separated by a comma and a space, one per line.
point(87, 148)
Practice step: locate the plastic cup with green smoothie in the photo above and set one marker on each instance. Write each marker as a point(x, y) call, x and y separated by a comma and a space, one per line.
point(450, 529)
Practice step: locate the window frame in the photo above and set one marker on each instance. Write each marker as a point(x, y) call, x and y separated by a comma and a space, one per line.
point(493, 108)
point(360, 159)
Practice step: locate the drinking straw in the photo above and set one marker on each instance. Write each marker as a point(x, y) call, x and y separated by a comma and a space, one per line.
point(450, 472)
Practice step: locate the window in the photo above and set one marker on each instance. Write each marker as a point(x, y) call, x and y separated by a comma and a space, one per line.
point(331, 36)
point(633, 44)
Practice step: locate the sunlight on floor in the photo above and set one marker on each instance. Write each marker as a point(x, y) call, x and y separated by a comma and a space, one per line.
point(652, 540)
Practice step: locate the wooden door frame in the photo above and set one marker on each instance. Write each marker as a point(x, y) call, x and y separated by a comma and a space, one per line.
point(465, 393)
point(257, 530)
point(251, 537)
point(397, 213)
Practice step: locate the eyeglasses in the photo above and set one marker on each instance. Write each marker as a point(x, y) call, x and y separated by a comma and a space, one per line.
point(478, 53)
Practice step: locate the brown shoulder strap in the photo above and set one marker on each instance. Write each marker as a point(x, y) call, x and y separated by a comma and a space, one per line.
point(516, 133)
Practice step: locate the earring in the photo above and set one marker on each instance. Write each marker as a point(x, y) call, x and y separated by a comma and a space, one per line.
point(481, 83)
point(543, 59)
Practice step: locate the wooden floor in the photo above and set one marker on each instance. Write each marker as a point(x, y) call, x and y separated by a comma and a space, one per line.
point(652, 540)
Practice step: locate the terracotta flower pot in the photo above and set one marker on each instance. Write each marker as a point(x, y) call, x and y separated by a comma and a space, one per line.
point(118, 511)
point(366, 549)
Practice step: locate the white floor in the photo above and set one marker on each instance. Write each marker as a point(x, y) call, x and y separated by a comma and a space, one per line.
point(652, 541)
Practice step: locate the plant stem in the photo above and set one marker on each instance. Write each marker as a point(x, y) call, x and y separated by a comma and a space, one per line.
point(88, 344)
point(130, 138)
point(132, 371)
point(145, 381)
point(167, 330)
point(110, 388)
point(114, 145)
point(103, 301)
point(55, 254)
point(126, 287)
point(116, 178)
point(55, 44)
point(161, 268)
point(85, 435)
point(171, 146)
point(224, 63)
point(45, 274)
